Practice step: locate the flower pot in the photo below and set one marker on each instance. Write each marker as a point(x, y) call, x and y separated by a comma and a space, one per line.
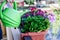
point(34, 35)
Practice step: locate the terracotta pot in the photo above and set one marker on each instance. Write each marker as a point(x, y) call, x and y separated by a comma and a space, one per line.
point(34, 35)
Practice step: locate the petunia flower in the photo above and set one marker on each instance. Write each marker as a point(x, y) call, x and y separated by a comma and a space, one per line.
point(51, 17)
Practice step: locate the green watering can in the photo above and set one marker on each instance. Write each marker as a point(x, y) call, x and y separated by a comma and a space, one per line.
point(11, 17)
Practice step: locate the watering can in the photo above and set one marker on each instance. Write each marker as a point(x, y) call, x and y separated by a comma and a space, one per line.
point(11, 17)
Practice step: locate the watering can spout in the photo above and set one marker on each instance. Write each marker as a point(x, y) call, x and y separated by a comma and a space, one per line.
point(22, 12)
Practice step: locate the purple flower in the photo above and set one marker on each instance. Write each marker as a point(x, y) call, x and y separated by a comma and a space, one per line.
point(27, 14)
point(51, 17)
point(40, 12)
point(32, 8)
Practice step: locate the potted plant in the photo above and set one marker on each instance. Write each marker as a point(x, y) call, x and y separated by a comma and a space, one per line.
point(34, 24)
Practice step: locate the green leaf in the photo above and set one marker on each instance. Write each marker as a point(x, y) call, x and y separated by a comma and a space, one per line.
point(35, 24)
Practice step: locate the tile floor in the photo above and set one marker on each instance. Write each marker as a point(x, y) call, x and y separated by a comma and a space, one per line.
point(50, 35)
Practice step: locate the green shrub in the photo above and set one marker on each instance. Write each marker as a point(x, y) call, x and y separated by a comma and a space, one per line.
point(35, 24)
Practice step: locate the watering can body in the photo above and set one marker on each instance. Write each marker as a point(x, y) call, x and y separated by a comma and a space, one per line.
point(11, 17)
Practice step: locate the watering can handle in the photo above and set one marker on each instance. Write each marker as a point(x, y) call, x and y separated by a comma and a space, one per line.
point(15, 5)
point(3, 3)
point(1, 7)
